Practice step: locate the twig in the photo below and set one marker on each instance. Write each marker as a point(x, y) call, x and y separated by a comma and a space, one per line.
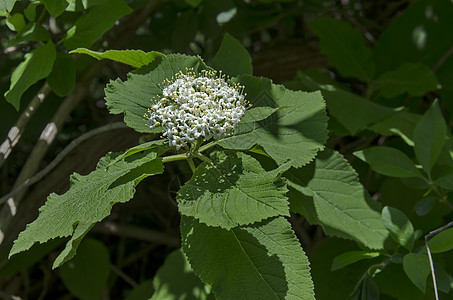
point(441, 61)
point(431, 265)
point(123, 275)
point(60, 157)
point(16, 131)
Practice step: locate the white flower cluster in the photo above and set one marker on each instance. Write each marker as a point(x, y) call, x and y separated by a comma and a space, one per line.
point(196, 106)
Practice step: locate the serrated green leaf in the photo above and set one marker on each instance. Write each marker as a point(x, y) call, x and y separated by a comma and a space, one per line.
point(176, 280)
point(32, 32)
point(429, 137)
point(294, 133)
point(88, 201)
point(256, 114)
point(441, 242)
point(15, 22)
point(7, 5)
point(133, 96)
point(261, 261)
point(399, 226)
point(354, 112)
point(415, 79)
point(335, 197)
point(55, 7)
point(157, 146)
point(134, 58)
point(231, 50)
point(389, 161)
point(345, 47)
point(63, 76)
point(92, 25)
point(234, 191)
point(351, 257)
point(416, 267)
point(37, 65)
point(87, 274)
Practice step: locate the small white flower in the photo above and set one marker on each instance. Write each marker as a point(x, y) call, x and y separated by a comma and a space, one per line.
point(197, 105)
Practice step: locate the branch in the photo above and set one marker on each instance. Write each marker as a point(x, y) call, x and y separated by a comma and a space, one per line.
point(59, 158)
point(16, 131)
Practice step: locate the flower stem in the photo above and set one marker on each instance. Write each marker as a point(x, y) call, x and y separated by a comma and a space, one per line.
point(191, 164)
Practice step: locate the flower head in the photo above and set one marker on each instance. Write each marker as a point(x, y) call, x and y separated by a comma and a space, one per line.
point(193, 106)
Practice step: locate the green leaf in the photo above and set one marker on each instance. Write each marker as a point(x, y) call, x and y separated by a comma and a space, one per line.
point(15, 22)
point(441, 242)
point(7, 5)
point(445, 181)
point(256, 114)
point(86, 275)
point(55, 7)
point(401, 123)
point(176, 280)
point(420, 34)
point(424, 206)
point(331, 191)
point(63, 76)
point(89, 200)
point(399, 225)
point(345, 47)
point(32, 32)
point(415, 79)
point(294, 133)
point(157, 146)
point(142, 291)
point(389, 161)
point(234, 191)
point(429, 137)
point(133, 96)
point(261, 261)
point(355, 113)
point(134, 58)
point(194, 3)
point(347, 258)
point(92, 25)
point(366, 289)
point(30, 11)
point(416, 267)
point(37, 65)
point(231, 50)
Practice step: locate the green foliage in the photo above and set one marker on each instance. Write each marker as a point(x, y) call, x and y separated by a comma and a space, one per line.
point(429, 137)
point(63, 76)
point(351, 257)
point(88, 201)
point(345, 48)
point(294, 133)
point(233, 190)
point(415, 79)
point(232, 50)
point(176, 280)
point(92, 25)
point(399, 225)
point(133, 96)
point(416, 267)
point(55, 7)
point(86, 275)
point(328, 190)
point(262, 261)
point(37, 65)
point(389, 161)
point(7, 5)
point(442, 242)
point(135, 58)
